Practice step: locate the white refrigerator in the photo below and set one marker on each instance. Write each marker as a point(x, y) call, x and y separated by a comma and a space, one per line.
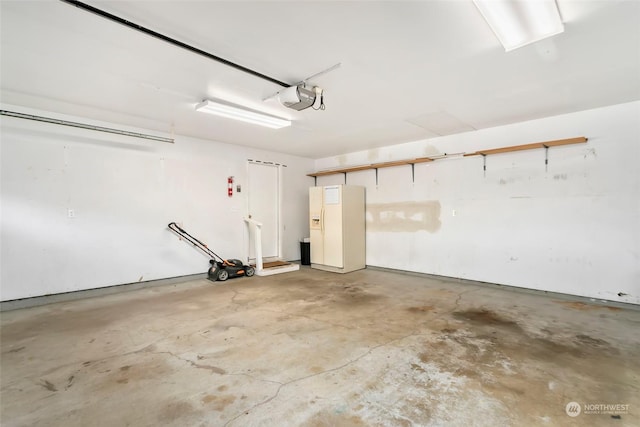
point(337, 228)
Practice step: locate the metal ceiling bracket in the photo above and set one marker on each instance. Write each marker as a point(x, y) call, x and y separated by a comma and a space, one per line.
point(84, 126)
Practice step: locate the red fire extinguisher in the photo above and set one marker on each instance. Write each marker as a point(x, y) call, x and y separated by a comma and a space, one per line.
point(230, 186)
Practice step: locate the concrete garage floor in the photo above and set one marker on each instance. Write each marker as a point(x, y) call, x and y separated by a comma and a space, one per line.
point(310, 348)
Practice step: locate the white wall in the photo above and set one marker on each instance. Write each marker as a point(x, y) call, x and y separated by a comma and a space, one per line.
point(124, 192)
point(572, 228)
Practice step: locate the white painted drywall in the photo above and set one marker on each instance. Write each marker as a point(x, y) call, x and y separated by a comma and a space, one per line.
point(123, 192)
point(573, 227)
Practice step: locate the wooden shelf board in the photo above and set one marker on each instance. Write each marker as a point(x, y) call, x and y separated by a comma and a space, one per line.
point(421, 160)
point(568, 141)
point(357, 168)
point(390, 164)
point(533, 146)
point(323, 173)
point(336, 171)
point(512, 148)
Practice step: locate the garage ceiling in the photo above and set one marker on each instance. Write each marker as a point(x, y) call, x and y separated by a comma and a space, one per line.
point(409, 70)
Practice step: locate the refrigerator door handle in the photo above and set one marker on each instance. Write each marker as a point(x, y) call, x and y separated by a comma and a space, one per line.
point(322, 220)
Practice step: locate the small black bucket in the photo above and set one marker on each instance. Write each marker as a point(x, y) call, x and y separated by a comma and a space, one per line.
point(305, 253)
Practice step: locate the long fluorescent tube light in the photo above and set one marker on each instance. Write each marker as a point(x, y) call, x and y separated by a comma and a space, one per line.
point(517, 23)
point(237, 112)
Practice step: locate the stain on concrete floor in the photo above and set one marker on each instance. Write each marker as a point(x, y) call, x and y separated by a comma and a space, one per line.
point(312, 348)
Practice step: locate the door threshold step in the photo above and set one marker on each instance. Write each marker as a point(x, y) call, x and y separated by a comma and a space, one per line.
point(278, 269)
point(271, 264)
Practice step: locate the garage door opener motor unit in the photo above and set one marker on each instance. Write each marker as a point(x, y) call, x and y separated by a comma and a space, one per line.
point(221, 269)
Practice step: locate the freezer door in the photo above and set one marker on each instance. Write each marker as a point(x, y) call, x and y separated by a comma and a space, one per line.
point(315, 225)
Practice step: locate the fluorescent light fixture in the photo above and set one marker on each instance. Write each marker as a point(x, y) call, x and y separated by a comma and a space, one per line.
point(237, 112)
point(517, 23)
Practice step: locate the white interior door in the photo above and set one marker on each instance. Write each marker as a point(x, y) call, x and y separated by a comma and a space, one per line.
point(264, 207)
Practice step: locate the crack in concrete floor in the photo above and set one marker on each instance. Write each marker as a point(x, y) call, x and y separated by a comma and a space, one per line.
point(337, 368)
point(282, 385)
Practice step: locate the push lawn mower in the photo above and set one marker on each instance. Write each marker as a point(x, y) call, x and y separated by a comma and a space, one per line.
point(221, 269)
